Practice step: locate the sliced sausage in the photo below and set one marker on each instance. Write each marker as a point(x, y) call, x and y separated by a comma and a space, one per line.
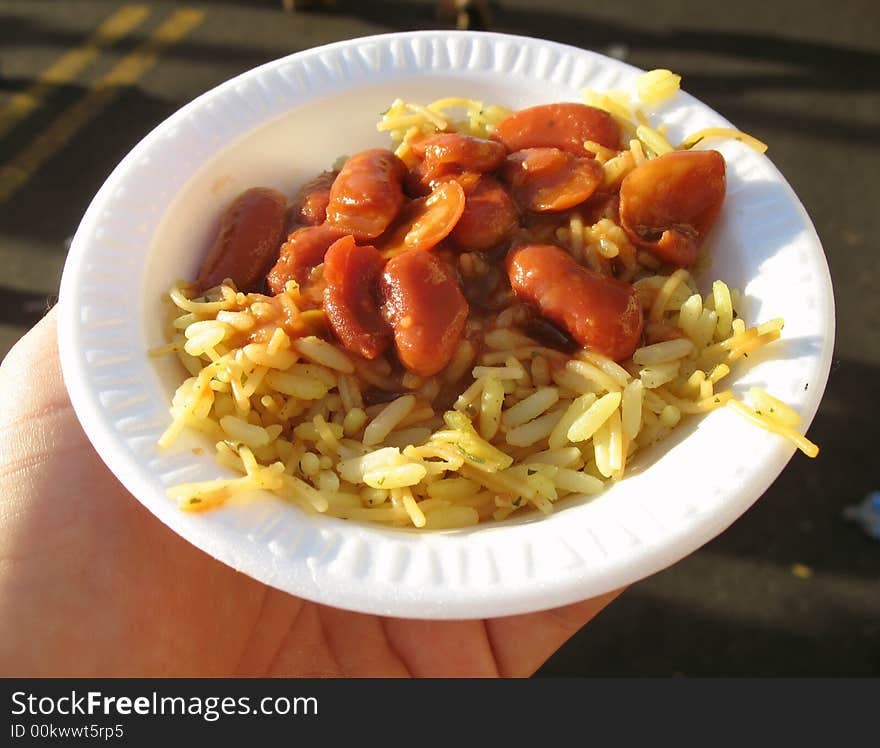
point(304, 249)
point(310, 203)
point(247, 244)
point(489, 216)
point(367, 194)
point(549, 179)
point(455, 152)
point(426, 309)
point(565, 126)
point(600, 313)
point(669, 204)
point(350, 297)
point(427, 221)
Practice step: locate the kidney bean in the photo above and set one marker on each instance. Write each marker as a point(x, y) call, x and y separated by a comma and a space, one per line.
point(304, 249)
point(669, 204)
point(600, 313)
point(565, 126)
point(247, 242)
point(488, 218)
point(367, 193)
point(351, 273)
point(426, 309)
point(310, 203)
point(549, 179)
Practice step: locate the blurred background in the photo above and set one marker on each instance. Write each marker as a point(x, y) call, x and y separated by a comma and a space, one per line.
point(793, 587)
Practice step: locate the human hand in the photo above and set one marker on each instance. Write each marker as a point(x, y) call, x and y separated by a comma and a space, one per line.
point(92, 584)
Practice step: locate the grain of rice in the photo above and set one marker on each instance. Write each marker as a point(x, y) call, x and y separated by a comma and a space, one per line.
point(723, 132)
point(765, 404)
point(242, 431)
point(574, 382)
point(491, 402)
point(398, 476)
point(616, 169)
point(310, 464)
point(799, 440)
point(278, 341)
point(500, 482)
point(613, 102)
point(514, 370)
point(672, 283)
point(637, 151)
point(374, 496)
point(429, 505)
point(451, 517)
point(698, 406)
point(689, 314)
point(594, 417)
point(452, 489)
point(723, 308)
point(540, 371)
point(465, 400)
point(205, 339)
point(259, 354)
point(578, 482)
point(558, 437)
point(670, 416)
point(533, 431)
point(718, 372)
point(326, 432)
point(342, 499)
point(529, 408)
point(654, 140)
point(412, 508)
point(631, 408)
point(657, 86)
point(564, 457)
point(506, 339)
point(327, 482)
point(750, 345)
point(616, 443)
point(241, 321)
point(385, 422)
point(704, 329)
point(301, 386)
point(296, 488)
point(492, 358)
point(658, 353)
point(602, 450)
point(659, 374)
point(706, 389)
point(595, 374)
point(324, 353)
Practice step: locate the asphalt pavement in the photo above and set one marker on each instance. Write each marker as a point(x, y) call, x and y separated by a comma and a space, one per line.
point(791, 589)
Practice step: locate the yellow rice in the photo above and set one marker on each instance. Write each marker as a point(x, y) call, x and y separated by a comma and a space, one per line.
point(531, 425)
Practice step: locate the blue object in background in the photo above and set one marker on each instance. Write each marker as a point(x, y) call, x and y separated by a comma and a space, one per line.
point(867, 514)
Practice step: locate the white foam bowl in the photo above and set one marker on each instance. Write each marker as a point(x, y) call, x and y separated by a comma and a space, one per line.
point(281, 124)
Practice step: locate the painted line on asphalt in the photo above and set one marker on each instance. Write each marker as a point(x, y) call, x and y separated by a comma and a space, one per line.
point(64, 128)
point(71, 64)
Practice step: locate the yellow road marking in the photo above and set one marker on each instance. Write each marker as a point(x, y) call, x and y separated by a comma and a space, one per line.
point(70, 64)
point(67, 124)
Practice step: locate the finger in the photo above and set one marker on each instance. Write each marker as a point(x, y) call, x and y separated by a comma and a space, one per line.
point(523, 643)
point(442, 649)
